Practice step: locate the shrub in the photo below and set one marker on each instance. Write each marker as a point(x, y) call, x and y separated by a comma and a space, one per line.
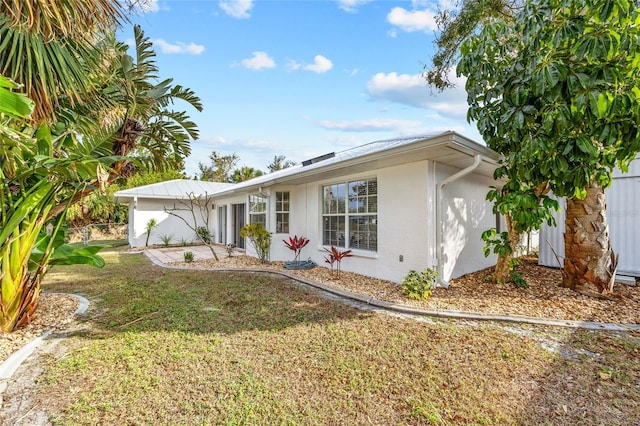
point(188, 256)
point(260, 239)
point(336, 256)
point(166, 240)
point(296, 244)
point(203, 234)
point(419, 285)
point(230, 247)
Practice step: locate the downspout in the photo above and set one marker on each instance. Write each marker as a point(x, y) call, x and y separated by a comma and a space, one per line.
point(439, 215)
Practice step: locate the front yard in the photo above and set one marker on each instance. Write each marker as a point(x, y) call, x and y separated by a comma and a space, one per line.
point(166, 347)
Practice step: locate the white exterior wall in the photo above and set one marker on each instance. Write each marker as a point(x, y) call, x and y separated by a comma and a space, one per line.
point(406, 221)
point(466, 215)
point(623, 213)
point(143, 210)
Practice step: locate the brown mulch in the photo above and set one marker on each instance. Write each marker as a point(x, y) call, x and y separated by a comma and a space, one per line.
point(54, 311)
point(475, 293)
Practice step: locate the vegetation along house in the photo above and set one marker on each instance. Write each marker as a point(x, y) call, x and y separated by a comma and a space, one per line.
point(399, 204)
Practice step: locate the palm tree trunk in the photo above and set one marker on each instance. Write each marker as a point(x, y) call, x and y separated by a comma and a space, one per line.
point(589, 264)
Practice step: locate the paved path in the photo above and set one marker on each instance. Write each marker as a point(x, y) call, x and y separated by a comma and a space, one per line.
point(162, 257)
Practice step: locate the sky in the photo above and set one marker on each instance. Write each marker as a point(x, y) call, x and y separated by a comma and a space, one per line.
point(301, 78)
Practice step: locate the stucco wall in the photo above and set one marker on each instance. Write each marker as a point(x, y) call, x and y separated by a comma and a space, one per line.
point(147, 209)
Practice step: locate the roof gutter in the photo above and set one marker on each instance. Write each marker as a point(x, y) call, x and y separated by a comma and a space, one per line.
point(439, 215)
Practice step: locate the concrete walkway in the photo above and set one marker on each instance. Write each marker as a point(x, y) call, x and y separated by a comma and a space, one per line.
point(163, 257)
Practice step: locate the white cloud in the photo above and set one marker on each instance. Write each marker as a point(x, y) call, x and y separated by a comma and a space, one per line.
point(259, 60)
point(178, 48)
point(414, 20)
point(320, 65)
point(412, 90)
point(351, 5)
point(370, 125)
point(237, 8)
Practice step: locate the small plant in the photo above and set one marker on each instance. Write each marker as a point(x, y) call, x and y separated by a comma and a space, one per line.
point(166, 240)
point(151, 224)
point(335, 257)
point(230, 247)
point(296, 244)
point(419, 285)
point(260, 239)
point(518, 280)
point(188, 256)
point(203, 234)
point(183, 242)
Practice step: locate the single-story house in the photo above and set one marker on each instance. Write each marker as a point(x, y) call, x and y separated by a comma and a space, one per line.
point(398, 204)
point(623, 210)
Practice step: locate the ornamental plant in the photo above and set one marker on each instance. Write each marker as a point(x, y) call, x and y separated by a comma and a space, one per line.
point(260, 239)
point(419, 285)
point(335, 257)
point(296, 244)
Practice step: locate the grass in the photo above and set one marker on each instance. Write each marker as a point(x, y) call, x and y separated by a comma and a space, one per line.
point(196, 347)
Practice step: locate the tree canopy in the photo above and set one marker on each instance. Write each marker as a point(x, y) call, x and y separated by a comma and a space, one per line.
point(556, 91)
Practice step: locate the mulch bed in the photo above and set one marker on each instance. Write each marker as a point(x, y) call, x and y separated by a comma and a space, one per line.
point(475, 293)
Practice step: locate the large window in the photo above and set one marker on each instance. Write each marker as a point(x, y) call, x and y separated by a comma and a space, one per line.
point(258, 209)
point(350, 215)
point(282, 212)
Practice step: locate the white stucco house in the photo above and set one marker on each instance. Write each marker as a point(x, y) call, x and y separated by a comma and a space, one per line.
point(399, 204)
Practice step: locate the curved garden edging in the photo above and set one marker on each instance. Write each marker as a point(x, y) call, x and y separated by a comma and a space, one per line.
point(11, 364)
point(406, 309)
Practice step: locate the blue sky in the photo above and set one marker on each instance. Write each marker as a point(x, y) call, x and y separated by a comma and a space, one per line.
point(301, 78)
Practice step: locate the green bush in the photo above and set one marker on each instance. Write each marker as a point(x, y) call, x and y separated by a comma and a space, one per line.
point(260, 239)
point(419, 285)
point(188, 256)
point(203, 234)
point(166, 240)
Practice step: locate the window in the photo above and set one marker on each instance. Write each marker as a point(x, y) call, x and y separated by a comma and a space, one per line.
point(258, 209)
point(350, 215)
point(282, 212)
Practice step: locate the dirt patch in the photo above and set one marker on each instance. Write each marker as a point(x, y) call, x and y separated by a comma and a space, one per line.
point(475, 293)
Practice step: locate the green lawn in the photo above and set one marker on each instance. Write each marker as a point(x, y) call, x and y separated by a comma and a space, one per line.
point(170, 347)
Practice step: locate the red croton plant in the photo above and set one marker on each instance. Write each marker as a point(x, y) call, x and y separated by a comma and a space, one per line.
point(336, 256)
point(296, 244)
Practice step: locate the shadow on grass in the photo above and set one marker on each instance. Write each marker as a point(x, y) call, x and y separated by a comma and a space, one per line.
point(132, 294)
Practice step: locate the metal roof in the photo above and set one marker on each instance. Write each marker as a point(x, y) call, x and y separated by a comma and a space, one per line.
point(172, 189)
point(448, 148)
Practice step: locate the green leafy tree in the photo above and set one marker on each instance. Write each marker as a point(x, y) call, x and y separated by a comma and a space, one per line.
point(280, 162)
point(455, 25)
point(219, 170)
point(245, 173)
point(556, 91)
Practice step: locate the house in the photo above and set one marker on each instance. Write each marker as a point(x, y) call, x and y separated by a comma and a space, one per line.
point(623, 210)
point(398, 204)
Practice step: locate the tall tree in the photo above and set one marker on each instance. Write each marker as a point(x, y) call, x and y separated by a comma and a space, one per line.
point(220, 168)
point(280, 162)
point(556, 91)
point(245, 173)
point(455, 25)
point(48, 46)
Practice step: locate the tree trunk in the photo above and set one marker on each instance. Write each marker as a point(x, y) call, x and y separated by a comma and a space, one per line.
point(589, 263)
point(502, 273)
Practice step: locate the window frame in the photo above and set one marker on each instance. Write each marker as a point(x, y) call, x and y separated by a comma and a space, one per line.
point(280, 205)
point(255, 200)
point(343, 209)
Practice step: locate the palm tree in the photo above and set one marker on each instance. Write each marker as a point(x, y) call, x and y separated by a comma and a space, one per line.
point(146, 127)
point(48, 46)
point(245, 173)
